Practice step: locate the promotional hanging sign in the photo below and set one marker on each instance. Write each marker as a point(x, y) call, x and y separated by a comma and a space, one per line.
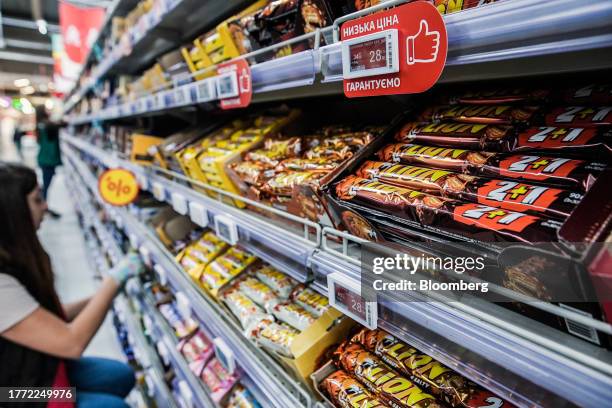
point(234, 84)
point(397, 51)
point(118, 187)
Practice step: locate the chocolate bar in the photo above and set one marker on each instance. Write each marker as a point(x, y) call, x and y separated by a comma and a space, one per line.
point(579, 116)
point(381, 380)
point(252, 172)
point(277, 337)
point(598, 94)
point(447, 385)
point(278, 281)
point(501, 96)
point(506, 194)
point(494, 114)
point(558, 171)
point(282, 183)
point(297, 164)
point(489, 223)
point(346, 392)
point(258, 292)
point(573, 140)
point(498, 138)
point(310, 300)
point(294, 315)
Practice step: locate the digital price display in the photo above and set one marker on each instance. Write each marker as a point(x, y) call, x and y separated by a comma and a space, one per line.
point(350, 300)
point(227, 85)
point(344, 293)
point(368, 55)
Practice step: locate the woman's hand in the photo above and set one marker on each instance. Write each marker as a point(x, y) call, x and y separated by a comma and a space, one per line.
point(129, 266)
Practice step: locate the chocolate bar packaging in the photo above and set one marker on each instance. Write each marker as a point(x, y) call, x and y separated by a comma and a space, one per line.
point(579, 116)
point(346, 392)
point(488, 114)
point(491, 224)
point(506, 194)
point(447, 385)
point(573, 173)
point(392, 389)
point(573, 141)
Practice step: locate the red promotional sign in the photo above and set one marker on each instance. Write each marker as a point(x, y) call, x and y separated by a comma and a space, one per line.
point(79, 28)
point(234, 84)
point(397, 51)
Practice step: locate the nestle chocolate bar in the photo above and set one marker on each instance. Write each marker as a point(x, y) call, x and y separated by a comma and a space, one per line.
point(501, 96)
point(498, 138)
point(447, 385)
point(573, 140)
point(347, 392)
point(579, 116)
point(494, 114)
point(506, 194)
point(596, 94)
point(559, 171)
point(381, 380)
point(486, 223)
point(298, 164)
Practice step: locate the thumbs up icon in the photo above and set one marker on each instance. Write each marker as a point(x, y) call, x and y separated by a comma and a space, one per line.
point(423, 46)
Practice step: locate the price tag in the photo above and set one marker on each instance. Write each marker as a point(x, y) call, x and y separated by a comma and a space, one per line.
point(162, 350)
point(145, 254)
point(224, 354)
point(143, 181)
point(183, 305)
point(345, 295)
point(198, 214)
point(226, 229)
point(401, 50)
point(227, 85)
point(179, 95)
point(148, 325)
point(158, 191)
point(150, 386)
point(179, 203)
point(373, 54)
point(141, 105)
point(161, 274)
point(161, 100)
point(192, 93)
point(133, 240)
point(151, 102)
point(207, 91)
point(186, 393)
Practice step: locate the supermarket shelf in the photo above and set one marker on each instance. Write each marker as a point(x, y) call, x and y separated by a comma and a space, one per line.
point(500, 40)
point(144, 353)
point(523, 361)
point(512, 355)
point(284, 247)
point(161, 30)
point(262, 371)
point(161, 332)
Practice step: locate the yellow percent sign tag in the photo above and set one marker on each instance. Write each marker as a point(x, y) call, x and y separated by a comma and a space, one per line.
point(118, 187)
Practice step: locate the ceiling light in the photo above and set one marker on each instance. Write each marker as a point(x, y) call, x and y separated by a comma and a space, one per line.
point(28, 90)
point(21, 82)
point(42, 26)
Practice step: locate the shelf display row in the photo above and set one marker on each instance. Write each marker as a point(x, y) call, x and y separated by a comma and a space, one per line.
point(326, 256)
point(314, 64)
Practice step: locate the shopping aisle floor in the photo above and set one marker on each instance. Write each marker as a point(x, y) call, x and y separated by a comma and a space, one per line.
point(63, 240)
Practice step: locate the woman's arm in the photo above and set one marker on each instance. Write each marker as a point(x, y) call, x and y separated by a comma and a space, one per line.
point(46, 332)
point(71, 310)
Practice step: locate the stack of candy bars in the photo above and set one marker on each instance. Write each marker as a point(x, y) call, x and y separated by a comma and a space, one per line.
point(375, 369)
point(272, 171)
point(506, 165)
point(272, 308)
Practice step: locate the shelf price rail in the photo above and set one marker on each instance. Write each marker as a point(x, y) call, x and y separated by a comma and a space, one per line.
point(514, 355)
point(481, 42)
point(262, 371)
point(521, 360)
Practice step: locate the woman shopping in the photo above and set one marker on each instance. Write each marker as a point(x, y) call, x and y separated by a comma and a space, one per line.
point(41, 339)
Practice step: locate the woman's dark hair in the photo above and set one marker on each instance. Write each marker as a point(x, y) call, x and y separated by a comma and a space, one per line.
point(41, 114)
point(21, 253)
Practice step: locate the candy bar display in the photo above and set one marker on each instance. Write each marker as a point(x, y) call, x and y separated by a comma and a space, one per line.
point(498, 164)
point(376, 369)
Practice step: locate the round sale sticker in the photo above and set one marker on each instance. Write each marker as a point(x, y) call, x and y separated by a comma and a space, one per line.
point(118, 187)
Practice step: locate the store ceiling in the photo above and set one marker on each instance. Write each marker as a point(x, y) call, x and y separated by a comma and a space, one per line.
point(25, 52)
